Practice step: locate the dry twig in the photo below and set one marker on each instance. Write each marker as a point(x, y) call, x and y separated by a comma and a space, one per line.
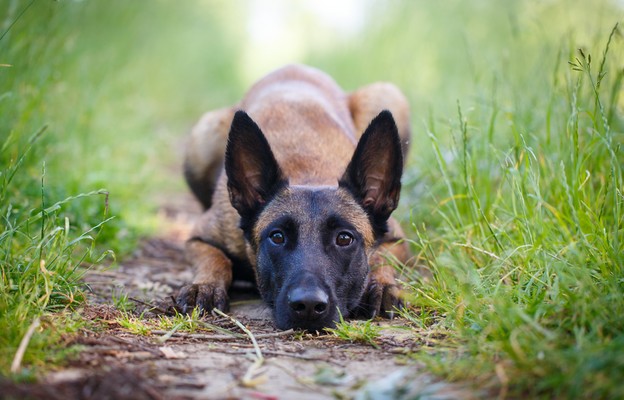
point(19, 355)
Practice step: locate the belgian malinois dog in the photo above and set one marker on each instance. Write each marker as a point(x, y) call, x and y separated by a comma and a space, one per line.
point(298, 181)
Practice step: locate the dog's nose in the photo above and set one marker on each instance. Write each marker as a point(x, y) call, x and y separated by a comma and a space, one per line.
point(308, 303)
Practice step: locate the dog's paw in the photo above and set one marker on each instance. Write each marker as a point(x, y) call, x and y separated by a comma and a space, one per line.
point(203, 296)
point(381, 300)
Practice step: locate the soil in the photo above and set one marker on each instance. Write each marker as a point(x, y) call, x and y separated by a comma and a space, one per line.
point(117, 364)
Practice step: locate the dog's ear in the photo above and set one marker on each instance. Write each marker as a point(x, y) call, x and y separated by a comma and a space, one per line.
point(374, 174)
point(252, 171)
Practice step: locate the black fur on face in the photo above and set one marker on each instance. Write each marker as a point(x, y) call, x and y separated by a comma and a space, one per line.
point(311, 257)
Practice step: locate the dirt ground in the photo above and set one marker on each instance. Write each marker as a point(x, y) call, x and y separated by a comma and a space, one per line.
point(116, 364)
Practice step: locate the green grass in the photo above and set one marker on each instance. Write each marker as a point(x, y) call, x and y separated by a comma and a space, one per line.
point(181, 323)
point(512, 195)
point(526, 236)
point(356, 331)
point(41, 253)
point(86, 113)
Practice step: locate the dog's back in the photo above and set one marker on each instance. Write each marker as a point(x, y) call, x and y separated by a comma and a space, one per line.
point(305, 117)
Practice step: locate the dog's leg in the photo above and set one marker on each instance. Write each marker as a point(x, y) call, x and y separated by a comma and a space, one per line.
point(205, 151)
point(213, 277)
point(383, 296)
point(368, 101)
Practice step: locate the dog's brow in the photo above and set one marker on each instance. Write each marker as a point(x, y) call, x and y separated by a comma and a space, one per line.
point(335, 220)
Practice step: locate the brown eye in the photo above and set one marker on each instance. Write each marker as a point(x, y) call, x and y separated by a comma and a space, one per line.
point(277, 237)
point(344, 239)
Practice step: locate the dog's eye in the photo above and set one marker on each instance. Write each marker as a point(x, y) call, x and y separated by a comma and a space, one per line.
point(344, 239)
point(277, 237)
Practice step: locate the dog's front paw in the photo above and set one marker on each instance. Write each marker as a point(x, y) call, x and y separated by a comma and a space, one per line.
point(382, 295)
point(203, 296)
point(383, 299)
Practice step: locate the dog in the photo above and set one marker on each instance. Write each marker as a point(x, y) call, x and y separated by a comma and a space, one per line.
point(298, 182)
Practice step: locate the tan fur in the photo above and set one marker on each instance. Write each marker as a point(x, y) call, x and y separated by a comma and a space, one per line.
point(299, 105)
point(205, 151)
point(365, 104)
point(394, 248)
point(206, 147)
point(308, 120)
point(221, 265)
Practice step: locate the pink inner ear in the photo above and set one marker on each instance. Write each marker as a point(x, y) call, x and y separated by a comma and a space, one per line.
point(255, 183)
point(254, 178)
point(258, 197)
point(374, 185)
point(252, 172)
point(369, 200)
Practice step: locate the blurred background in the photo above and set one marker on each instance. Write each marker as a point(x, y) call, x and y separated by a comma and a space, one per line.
point(118, 84)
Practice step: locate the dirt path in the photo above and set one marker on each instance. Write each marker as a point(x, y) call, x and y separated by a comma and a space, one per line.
point(121, 365)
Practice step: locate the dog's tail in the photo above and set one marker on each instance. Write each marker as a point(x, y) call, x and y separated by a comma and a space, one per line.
point(205, 151)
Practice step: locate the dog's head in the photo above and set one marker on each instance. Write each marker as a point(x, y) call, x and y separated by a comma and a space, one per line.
point(311, 244)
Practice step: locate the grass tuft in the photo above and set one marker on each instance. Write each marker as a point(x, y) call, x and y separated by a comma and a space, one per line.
point(41, 254)
point(364, 332)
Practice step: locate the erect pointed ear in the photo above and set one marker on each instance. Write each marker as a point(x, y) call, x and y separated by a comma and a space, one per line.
point(252, 171)
point(374, 174)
